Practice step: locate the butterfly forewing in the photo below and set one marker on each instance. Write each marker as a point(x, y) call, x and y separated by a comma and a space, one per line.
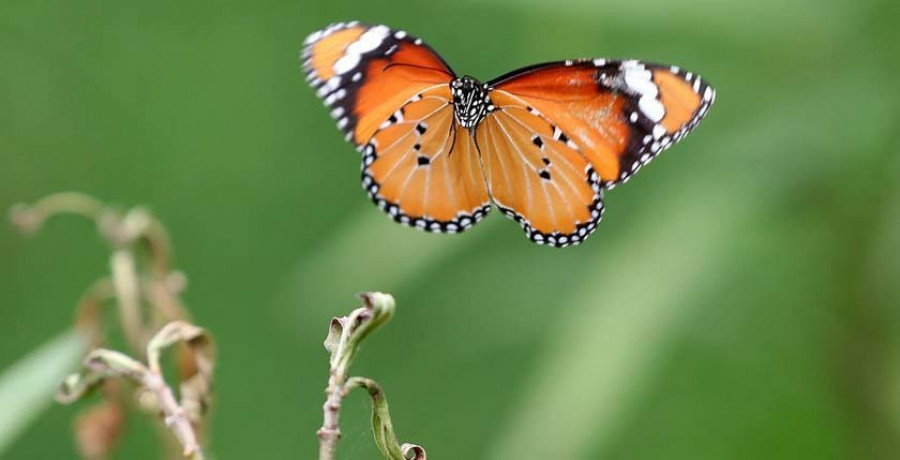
point(620, 114)
point(365, 73)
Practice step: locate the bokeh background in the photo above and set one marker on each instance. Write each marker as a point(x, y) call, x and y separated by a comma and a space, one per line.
point(741, 299)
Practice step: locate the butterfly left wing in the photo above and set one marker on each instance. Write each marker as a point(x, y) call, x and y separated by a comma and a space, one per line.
point(619, 114)
point(365, 73)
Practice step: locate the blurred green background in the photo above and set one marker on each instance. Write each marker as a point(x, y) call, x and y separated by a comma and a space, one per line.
point(741, 299)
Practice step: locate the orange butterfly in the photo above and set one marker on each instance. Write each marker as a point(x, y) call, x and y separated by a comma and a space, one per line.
point(541, 143)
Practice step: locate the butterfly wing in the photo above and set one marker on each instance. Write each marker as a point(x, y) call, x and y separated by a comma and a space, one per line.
point(391, 96)
point(620, 114)
point(365, 73)
point(423, 169)
point(536, 175)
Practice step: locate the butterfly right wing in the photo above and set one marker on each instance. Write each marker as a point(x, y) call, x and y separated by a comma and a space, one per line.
point(423, 169)
point(391, 96)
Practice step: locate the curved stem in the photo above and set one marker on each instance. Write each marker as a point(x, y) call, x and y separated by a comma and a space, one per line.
point(30, 218)
point(128, 294)
point(344, 335)
point(382, 427)
point(342, 342)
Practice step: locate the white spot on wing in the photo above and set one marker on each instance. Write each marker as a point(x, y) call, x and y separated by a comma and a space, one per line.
point(640, 80)
point(346, 63)
point(313, 37)
point(652, 108)
point(658, 131)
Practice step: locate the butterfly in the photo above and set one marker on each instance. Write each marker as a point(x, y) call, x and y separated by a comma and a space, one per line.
point(540, 143)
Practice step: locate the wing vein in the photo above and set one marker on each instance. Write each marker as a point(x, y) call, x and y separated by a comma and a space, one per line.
point(564, 159)
point(403, 123)
point(498, 152)
point(529, 192)
point(427, 177)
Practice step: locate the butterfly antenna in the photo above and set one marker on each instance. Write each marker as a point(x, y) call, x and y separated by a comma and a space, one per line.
point(421, 67)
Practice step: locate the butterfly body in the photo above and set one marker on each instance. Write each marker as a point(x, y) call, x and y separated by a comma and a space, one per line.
point(541, 143)
point(471, 103)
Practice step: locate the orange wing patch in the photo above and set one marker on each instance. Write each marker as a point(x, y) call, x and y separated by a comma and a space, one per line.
point(678, 97)
point(536, 176)
point(330, 47)
point(686, 97)
point(423, 170)
point(391, 82)
point(570, 97)
point(365, 73)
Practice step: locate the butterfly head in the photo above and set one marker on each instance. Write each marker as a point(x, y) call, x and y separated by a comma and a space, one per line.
point(470, 101)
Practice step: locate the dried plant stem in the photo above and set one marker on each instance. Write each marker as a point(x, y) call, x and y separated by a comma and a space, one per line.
point(128, 294)
point(382, 427)
point(330, 433)
point(31, 218)
point(146, 293)
point(131, 235)
point(102, 363)
point(89, 313)
point(344, 337)
point(342, 342)
point(175, 416)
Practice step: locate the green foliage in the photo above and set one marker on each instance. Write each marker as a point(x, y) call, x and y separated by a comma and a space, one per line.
point(25, 386)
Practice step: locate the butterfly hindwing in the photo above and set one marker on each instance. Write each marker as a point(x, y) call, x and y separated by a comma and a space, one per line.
point(423, 170)
point(621, 114)
point(536, 174)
